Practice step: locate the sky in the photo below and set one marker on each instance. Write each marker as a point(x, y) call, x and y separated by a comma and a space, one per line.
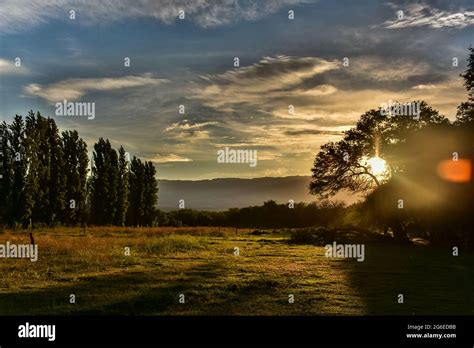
point(292, 91)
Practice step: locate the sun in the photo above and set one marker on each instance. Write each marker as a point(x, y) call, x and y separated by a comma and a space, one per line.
point(378, 166)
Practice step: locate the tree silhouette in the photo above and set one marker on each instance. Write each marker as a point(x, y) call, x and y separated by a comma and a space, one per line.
point(57, 179)
point(150, 194)
point(6, 171)
point(18, 165)
point(75, 172)
point(465, 113)
point(104, 181)
point(345, 165)
point(44, 179)
point(30, 160)
point(122, 188)
point(137, 192)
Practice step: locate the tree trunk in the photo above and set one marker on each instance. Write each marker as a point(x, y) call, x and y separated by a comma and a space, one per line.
point(399, 232)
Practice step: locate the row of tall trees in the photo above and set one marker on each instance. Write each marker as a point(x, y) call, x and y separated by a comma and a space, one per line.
point(45, 179)
point(43, 172)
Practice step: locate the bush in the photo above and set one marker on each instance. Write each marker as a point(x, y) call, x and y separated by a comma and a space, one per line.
point(322, 236)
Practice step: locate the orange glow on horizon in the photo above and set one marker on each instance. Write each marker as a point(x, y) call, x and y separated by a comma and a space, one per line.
point(459, 171)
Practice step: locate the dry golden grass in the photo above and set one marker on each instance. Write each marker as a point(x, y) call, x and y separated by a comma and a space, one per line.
point(200, 263)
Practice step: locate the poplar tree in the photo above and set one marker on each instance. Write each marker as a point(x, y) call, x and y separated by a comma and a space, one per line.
point(75, 173)
point(29, 160)
point(98, 183)
point(6, 175)
point(112, 184)
point(150, 193)
point(82, 169)
point(19, 167)
point(122, 188)
point(104, 182)
point(57, 180)
point(136, 180)
point(42, 210)
point(465, 113)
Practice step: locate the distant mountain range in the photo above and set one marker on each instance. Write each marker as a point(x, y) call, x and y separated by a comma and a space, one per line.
point(222, 194)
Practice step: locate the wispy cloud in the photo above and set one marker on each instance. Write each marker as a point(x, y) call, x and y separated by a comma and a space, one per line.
point(426, 86)
point(317, 89)
point(167, 158)
point(422, 15)
point(312, 132)
point(71, 46)
point(386, 69)
point(188, 125)
point(22, 14)
point(76, 88)
point(8, 67)
point(263, 83)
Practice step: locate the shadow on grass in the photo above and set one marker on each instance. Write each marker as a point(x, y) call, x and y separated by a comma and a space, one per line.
point(110, 294)
point(151, 291)
point(211, 288)
point(206, 287)
point(431, 280)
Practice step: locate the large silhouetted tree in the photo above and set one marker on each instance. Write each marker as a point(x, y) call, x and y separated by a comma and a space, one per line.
point(345, 165)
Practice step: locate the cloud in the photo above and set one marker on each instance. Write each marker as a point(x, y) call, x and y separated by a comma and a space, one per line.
point(162, 158)
point(316, 91)
point(426, 86)
point(189, 131)
point(78, 87)
point(248, 108)
point(319, 90)
point(264, 83)
point(7, 67)
point(422, 15)
point(21, 14)
point(187, 125)
point(312, 132)
point(274, 73)
point(386, 69)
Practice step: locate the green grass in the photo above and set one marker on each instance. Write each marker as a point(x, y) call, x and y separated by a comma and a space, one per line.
point(200, 263)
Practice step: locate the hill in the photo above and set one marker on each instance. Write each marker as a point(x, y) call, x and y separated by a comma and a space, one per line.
point(225, 193)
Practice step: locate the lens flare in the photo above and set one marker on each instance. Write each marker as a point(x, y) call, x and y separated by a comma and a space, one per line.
point(378, 166)
point(459, 171)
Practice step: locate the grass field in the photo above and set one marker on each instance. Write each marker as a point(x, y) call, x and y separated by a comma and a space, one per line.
point(200, 263)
